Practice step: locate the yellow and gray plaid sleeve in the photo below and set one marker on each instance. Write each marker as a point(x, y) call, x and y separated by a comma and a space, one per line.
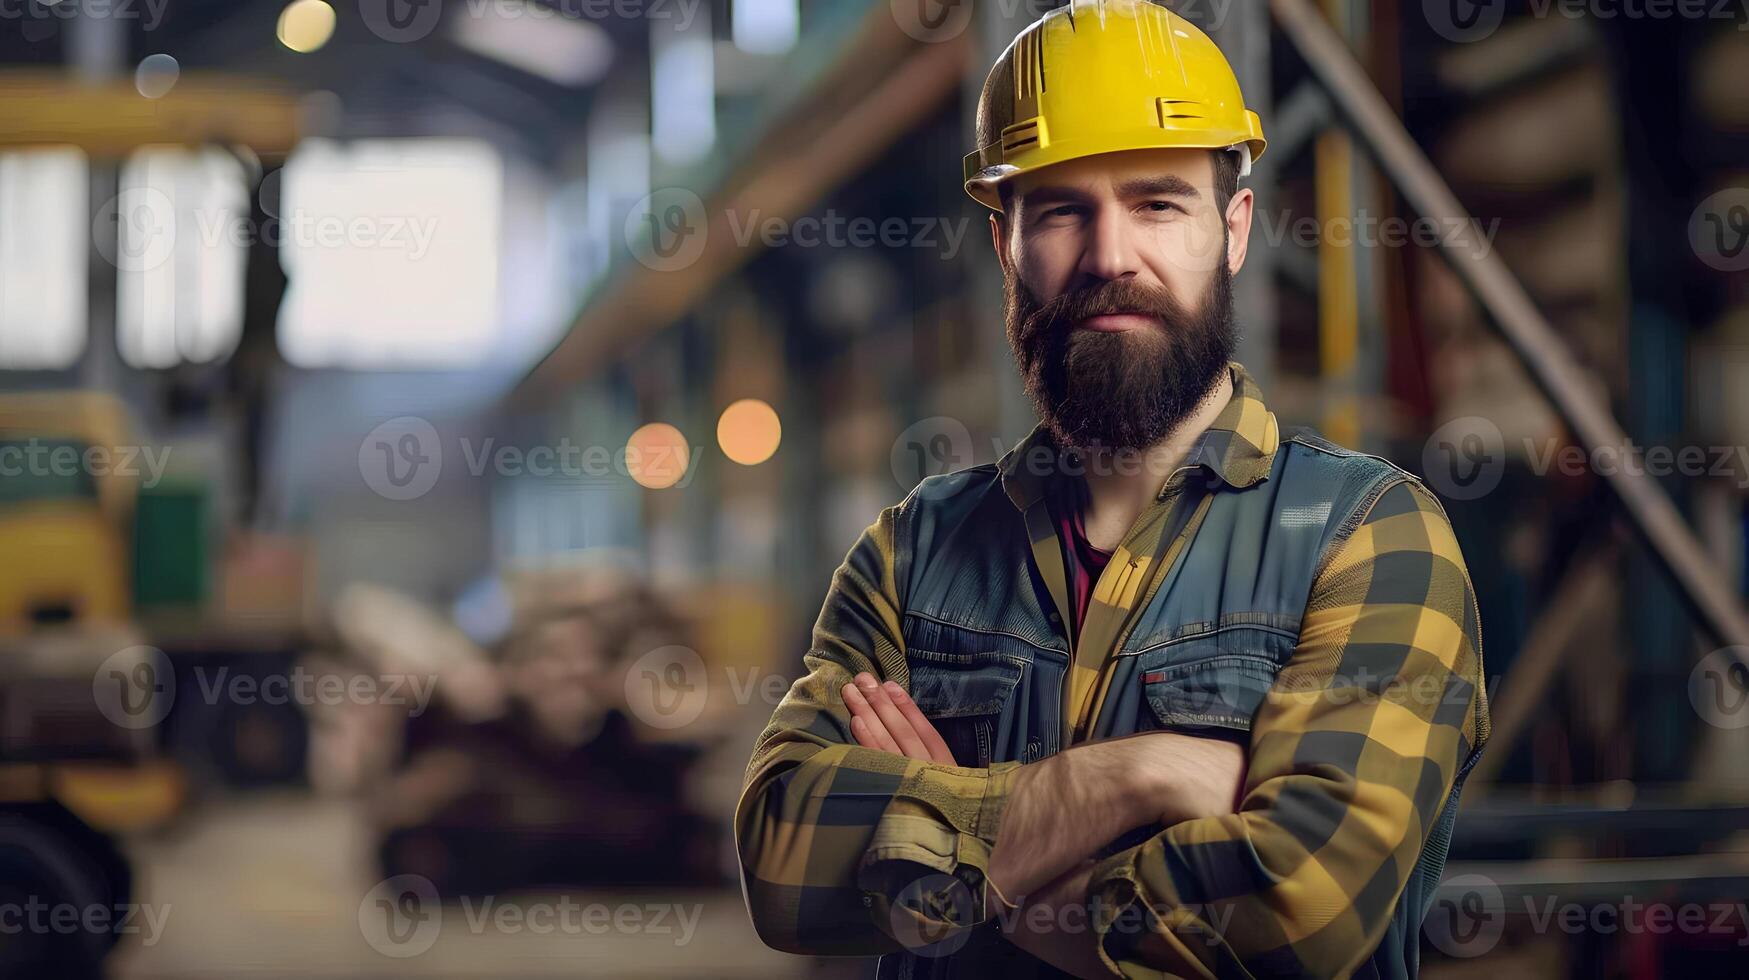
point(848, 850)
point(1353, 754)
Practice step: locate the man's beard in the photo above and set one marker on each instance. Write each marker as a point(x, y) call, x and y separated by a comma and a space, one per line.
point(1127, 390)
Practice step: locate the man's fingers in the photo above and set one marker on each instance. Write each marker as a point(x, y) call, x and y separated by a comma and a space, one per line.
point(910, 745)
point(872, 736)
point(932, 741)
point(884, 717)
point(865, 726)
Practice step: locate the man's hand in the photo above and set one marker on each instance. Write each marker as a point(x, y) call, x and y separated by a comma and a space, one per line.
point(883, 716)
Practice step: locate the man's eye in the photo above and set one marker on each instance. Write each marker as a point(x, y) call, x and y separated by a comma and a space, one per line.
point(1162, 207)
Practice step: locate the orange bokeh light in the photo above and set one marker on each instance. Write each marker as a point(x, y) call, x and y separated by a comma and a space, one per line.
point(749, 431)
point(656, 455)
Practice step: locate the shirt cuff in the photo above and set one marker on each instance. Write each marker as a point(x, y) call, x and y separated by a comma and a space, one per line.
point(1126, 922)
point(924, 874)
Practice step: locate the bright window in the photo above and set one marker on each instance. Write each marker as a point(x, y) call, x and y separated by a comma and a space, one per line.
point(44, 249)
point(392, 250)
point(180, 245)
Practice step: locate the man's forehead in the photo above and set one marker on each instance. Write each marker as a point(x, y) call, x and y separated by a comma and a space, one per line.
point(1188, 173)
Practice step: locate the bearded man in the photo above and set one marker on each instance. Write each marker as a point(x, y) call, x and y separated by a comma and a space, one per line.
point(1167, 690)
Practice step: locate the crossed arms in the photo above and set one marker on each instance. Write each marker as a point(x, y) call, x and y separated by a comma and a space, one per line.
point(848, 848)
point(1061, 810)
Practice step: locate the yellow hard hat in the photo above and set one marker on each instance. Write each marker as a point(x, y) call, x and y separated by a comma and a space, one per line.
point(1099, 76)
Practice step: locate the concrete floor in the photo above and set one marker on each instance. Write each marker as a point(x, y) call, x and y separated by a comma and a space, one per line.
point(281, 886)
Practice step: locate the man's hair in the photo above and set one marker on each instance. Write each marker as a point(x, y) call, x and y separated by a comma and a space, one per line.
point(1226, 182)
point(1226, 178)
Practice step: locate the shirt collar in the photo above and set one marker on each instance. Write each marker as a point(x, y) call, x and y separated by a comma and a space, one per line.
point(1238, 447)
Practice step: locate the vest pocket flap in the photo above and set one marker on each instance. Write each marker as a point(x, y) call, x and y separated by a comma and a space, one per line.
point(962, 689)
point(1217, 692)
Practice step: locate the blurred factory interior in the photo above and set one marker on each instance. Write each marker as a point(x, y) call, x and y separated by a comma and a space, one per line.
point(429, 428)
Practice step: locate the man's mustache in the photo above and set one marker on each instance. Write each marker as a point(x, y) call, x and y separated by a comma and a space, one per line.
point(1113, 296)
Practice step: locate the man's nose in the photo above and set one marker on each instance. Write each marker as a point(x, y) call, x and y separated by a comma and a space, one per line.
point(1110, 251)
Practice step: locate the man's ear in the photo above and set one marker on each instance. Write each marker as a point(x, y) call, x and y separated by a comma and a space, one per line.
point(1239, 227)
point(999, 241)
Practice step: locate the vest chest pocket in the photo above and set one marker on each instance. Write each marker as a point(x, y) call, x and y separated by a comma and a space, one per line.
point(968, 698)
point(1194, 686)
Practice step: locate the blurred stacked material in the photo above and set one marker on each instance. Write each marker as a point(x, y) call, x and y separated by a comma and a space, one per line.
point(526, 768)
point(263, 579)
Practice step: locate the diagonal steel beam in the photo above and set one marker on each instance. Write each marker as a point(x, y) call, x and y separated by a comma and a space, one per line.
point(1510, 308)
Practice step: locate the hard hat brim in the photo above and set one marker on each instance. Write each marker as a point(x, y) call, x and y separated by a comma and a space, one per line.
point(985, 171)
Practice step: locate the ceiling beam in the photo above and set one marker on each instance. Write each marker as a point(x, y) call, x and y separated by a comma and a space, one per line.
point(111, 120)
point(882, 86)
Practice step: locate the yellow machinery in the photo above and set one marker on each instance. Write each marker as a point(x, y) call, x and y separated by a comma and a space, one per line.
point(68, 483)
point(72, 771)
point(69, 479)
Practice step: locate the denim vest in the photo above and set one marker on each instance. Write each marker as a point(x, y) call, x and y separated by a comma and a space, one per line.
point(987, 653)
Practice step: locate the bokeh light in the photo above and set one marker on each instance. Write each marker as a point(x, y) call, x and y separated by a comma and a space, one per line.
point(156, 75)
point(306, 25)
point(656, 455)
point(749, 431)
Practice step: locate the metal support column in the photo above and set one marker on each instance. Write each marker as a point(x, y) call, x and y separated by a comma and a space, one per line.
point(1243, 35)
point(993, 27)
point(1350, 332)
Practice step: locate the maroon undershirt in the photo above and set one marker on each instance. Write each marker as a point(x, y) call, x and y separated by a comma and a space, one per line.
point(1081, 561)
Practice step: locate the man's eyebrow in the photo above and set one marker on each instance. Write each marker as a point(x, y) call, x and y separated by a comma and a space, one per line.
point(1053, 192)
point(1167, 185)
point(1160, 185)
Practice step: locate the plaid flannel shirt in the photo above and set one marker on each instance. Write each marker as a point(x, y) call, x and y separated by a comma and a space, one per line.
point(1353, 753)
